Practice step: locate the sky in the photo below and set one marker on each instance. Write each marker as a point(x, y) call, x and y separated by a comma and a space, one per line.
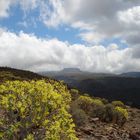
point(93, 35)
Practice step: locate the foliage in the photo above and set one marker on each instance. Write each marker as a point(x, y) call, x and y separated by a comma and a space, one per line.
point(85, 103)
point(122, 111)
point(118, 103)
point(121, 115)
point(98, 111)
point(104, 101)
point(8, 76)
point(109, 113)
point(94, 107)
point(116, 115)
point(74, 93)
point(97, 102)
point(35, 110)
point(79, 116)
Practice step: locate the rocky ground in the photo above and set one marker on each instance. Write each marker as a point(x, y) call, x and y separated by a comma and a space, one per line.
point(96, 130)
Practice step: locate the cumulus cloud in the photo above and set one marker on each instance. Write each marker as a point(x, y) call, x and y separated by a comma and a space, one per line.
point(91, 36)
point(98, 19)
point(130, 16)
point(26, 51)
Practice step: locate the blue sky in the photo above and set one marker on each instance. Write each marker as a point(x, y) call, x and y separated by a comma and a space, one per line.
point(15, 23)
point(98, 36)
point(31, 24)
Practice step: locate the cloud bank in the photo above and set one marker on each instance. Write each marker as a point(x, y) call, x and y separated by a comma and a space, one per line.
point(26, 51)
point(97, 21)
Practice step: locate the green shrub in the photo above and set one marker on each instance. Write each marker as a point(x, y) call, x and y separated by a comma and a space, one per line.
point(98, 111)
point(95, 107)
point(109, 113)
point(92, 106)
point(97, 102)
point(104, 101)
point(35, 110)
point(79, 117)
point(113, 114)
point(118, 103)
point(85, 103)
point(74, 94)
point(122, 115)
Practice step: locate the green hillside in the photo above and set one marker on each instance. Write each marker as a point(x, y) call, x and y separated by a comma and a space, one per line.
point(35, 107)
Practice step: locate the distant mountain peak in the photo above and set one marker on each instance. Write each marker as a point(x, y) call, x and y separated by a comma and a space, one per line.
point(131, 74)
point(71, 70)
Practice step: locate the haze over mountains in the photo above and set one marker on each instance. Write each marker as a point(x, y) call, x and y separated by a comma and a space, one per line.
point(123, 86)
point(73, 71)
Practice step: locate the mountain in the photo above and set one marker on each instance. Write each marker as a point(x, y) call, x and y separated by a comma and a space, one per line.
point(7, 73)
point(124, 87)
point(75, 73)
point(71, 70)
point(92, 127)
point(131, 74)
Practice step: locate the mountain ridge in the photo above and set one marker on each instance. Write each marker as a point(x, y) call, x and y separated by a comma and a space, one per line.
point(94, 128)
point(109, 86)
point(133, 74)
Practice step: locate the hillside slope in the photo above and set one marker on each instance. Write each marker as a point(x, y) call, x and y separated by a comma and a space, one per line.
point(110, 86)
point(15, 74)
point(94, 129)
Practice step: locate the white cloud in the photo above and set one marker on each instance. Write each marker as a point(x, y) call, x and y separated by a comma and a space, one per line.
point(98, 20)
point(26, 51)
point(4, 7)
point(116, 18)
point(91, 36)
point(51, 12)
point(130, 16)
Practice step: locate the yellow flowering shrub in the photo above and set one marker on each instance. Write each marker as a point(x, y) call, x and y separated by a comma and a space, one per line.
point(118, 103)
point(35, 110)
point(122, 111)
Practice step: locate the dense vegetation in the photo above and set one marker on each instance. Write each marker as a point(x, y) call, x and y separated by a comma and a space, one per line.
point(84, 106)
point(34, 107)
point(35, 110)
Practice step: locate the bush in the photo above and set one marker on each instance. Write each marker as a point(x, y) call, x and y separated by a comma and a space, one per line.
point(74, 94)
point(92, 106)
point(98, 111)
point(79, 117)
point(95, 107)
point(113, 114)
point(97, 102)
point(109, 113)
point(85, 103)
point(118, 103)
point(104, 101)
point(35, 110)
point(122, 115)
